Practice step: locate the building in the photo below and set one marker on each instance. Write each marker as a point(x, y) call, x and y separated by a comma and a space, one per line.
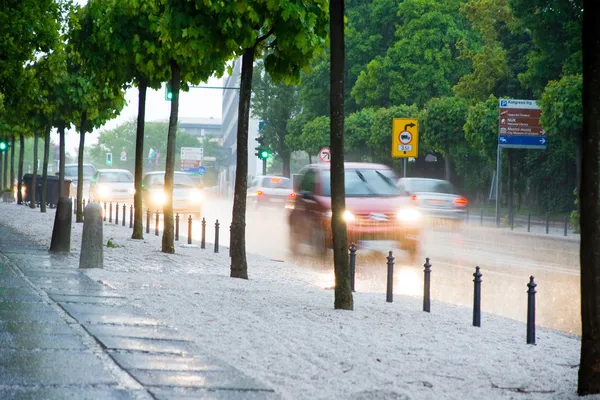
point(201, 127)
point(229, 116)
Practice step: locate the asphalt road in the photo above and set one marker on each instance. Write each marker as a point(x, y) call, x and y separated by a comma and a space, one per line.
point(507, 260)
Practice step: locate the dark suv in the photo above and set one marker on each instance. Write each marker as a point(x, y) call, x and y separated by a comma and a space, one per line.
point(376, 209)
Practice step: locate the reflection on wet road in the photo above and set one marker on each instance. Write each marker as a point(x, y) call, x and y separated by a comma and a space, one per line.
point(507, 260)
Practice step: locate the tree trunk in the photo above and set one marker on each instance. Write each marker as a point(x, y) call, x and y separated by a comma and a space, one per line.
point(61, 163)
point(138, 220)
point(5, 172)
point(239, 265)
point(309, 158)
point(447, 163)
point(36, 137)
point(79, 199)
point(285, 162)
point(589, 198)
point(20, 169)
point(509, 187)
point(343, 294)
point(578, 146)
point(2, 183)
point(45, 169)
point(12, 161)
point(168, 238)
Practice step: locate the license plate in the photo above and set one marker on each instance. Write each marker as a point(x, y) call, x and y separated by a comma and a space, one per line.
point(437, 202)
point(277, 200)
point(120, 190)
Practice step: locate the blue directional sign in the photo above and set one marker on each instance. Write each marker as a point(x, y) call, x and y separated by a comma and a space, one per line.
point(201, 170)
point(519, 125)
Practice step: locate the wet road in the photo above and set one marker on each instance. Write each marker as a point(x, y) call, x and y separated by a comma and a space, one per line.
point(507, 260)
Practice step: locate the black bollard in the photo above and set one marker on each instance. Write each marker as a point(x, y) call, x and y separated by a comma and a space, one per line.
point(61, 231)
point(512, 221)
point(75, 206)
point(110, 212)
point(124, 213)
point(148, 221)
point(203, 239)
point(83, 203)
point(566, 221)
point(177, 227)
point(131, 216)
point(389, 295)
point(117, 214)
point(190, 229)
point(477, 298)
point(531, 311)
point(104, 211)
point(427, 286)
point(217, 236)
point(156, 224)
point(547, 223)
point(529, 222)
point(481, 218)
point(352, 266)
point(230, 240)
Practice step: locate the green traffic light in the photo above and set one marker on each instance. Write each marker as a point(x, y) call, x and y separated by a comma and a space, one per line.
point(264, 154)
point(169, 96)
point(3, 146)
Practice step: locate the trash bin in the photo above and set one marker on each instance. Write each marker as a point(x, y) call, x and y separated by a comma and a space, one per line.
point(51, 189)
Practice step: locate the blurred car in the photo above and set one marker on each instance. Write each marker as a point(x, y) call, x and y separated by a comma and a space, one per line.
point(375, 209)
point(112, 185)
point(436, 198)
point(188, 196)
point(273, 191)
point(88, 173)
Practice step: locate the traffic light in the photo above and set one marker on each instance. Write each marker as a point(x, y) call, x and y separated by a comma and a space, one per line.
point(264, 154)
point(168, 92)
point(109, 159)
point(3, 146)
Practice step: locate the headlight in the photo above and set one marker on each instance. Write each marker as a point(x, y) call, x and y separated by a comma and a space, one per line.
point(102, 191)
point(196, 195)
point(158, 198)
point(409, 215)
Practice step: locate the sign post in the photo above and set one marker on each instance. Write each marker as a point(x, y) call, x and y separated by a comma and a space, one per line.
point(519, 127)
point(405, 140)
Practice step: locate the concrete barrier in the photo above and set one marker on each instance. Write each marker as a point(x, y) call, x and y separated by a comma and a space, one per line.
point(92, 252)
point(61, 232)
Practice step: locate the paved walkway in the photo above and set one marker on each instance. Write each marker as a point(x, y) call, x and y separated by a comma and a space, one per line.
point(63, 335)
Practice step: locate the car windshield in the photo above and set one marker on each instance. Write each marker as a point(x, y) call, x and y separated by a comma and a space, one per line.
point(180, 180)
point(115, 176)
point(71, 170)
point(429, 186)
point(365, 183)
point(276, 182)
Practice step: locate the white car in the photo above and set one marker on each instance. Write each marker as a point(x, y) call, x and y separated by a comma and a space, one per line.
point(270, 191)
point(188, 197)
point(71, 173)
point(112, 185)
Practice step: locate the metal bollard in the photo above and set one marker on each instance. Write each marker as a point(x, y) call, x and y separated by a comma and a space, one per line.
point(547, 223)
point(131, 216)
point(566, 221)
point(117, 214)
point(83, 204)
point(110, 212)
point(148, 221)
point(190, 229)
point(230, 240)
point(389, 294)
point(203, 239)
point(477, 298)
point(427, 286)
point(352, 266)
point(124, 213)
point(217, 236)
point(529, 222)
point(512, 221)
point(177, 227)
point(531, 311)
point(481, 218)
point(75, 206)
point(104, 211)
point(156, 224)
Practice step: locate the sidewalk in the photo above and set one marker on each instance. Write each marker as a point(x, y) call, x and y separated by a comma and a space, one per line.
point(280, 328)
point(64, 335)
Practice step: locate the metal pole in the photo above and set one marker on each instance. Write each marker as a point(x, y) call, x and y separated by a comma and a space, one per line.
point(230, 240)
point(531, 311)
point(512, 221)
point(547, 223)
point(190, 229)
point(389, 295)
point(177, 227)
point(566, 221)
point(427, 286)
point(124, 213)
point(203, 239)
point(131, 216)
point(156, 224)
point(264, 166)
point(75, 207)
point(477, 298)
point(529, 222)
point(110, 212)
point(481, 218)
point(104, 211)
point(148, 221)
point(498, 169)
point(117, 214)
point(352, 266)
point(404, 164)
point(217, 236)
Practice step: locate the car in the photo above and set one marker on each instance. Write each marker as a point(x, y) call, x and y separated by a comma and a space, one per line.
point(270, 191)
point(188, 196)
point(436, 198)
point(112, 185)
point(376, 209)
point(71, 173)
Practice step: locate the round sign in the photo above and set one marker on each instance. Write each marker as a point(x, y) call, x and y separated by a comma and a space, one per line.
point(123, 154)
point(405, 137)
point(201, 170)
point(324, 154)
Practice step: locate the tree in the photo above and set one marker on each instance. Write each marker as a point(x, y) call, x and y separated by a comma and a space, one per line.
point(358, 131)
point(316, 135)
point(442, 125)
point(589, 198)
point(343, 294)
point(276, 103)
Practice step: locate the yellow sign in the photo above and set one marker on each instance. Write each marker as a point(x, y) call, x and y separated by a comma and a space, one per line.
point(405, 138)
